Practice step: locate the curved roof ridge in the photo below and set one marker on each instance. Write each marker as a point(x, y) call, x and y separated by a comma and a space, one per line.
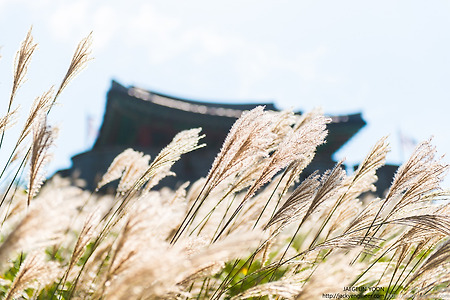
point(176, 102)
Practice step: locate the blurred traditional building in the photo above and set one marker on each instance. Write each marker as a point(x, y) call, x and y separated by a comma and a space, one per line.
point(147, 121)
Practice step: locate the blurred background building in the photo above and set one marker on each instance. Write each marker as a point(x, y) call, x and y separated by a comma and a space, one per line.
point(147, 121)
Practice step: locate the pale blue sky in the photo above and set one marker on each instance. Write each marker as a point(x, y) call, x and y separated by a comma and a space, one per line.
point(389, 60)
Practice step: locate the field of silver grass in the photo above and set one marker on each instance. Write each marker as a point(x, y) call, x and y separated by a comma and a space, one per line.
point(248, 230)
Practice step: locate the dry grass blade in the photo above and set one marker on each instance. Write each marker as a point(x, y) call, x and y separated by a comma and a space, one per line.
point(43, 138)
point(79, 61)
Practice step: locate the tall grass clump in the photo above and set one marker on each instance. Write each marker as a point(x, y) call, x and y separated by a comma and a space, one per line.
point(250, 229)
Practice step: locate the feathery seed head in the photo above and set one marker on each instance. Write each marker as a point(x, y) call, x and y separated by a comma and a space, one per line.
point(43, 139)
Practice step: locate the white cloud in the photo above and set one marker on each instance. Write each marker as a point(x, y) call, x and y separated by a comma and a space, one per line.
point(77, 18)
point(161, 36)
point(165, 37)
point(157, 32)
point(104, 26)
point(69, 18)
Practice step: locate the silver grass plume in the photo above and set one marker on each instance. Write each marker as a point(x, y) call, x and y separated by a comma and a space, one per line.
point(119, 165)
point(420, 237)
point(124, 252)
point(293, 170)
point(344, 207)
point(212, 258)
point(286, 288)
point(141, 261)
point(18, 154)
point(329, 184)
point(79, 61)
point(365, 176)
point(21, 63)
point(438, 260)
point(184, 142)
point(260, 207)
point(247, 141)
point(276, 124)
point(180, 194)
point(248, 138)
point(416, 178)
point(297, 203)
point(44, 224)
point(420, 175)
point(86, 234)
point(159, 168)
point(365, 216)
point(417, 192)
point(154, 277)
point(237, 245)
point(297, 166)
point(87, 278)
point(135, 171)
point(8, 120)
point(280, 125)
point(147, 221)
point(43, 138)
point(146, 228)
point(41, 106)
point(401, 252)
point(347, 241)
point(329, 278)
point(297, 145)
point(428, 222)
point(35, 272)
